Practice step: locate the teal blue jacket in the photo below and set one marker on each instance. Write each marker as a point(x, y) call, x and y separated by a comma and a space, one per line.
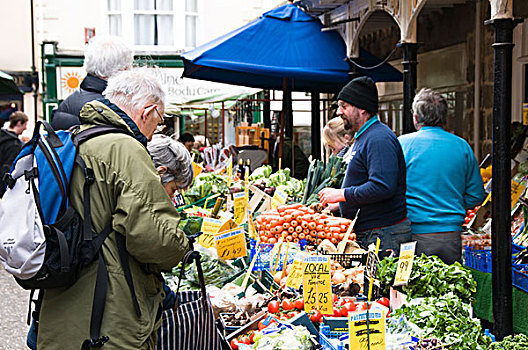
point(443, 180)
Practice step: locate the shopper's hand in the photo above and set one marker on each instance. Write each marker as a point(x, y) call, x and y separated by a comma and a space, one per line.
point(333, 207)
point(331, 195)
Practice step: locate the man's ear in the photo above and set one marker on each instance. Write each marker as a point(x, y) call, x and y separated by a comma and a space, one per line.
point(161, 169)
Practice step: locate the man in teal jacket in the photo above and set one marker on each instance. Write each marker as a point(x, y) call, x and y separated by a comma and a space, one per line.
point(443, 179)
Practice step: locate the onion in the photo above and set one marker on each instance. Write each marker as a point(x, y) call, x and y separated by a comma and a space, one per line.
point(338, 277)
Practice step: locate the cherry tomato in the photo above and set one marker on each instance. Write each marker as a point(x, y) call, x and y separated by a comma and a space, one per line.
point(245, 340)
point(234, 344)
point(315, 316)
point(299, 304)
point(384, 301)
point(251, 336)
point(273, 306)
point(337, 311)
point(335, 298)
point(287, 305)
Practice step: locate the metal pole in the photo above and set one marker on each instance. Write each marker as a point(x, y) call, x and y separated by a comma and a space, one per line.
point(409, 84)
point(223, 124)
point(34, 73)
point(501, 174)
point(316, 126)
point(267, 110)
point(476, 97)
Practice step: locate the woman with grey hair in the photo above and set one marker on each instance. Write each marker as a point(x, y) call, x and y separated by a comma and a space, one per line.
point(429, 109)
point(172, 161)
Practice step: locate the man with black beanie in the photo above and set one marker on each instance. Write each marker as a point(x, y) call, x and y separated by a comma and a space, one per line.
point(375, 177)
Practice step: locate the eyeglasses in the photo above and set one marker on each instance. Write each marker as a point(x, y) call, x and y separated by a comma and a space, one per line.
point(162, 120)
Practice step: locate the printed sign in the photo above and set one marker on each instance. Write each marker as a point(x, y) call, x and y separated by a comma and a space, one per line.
point(231, 244)
point(405, 264)
point(210, 227)
point(516, 192)
point(367, 335)
point(317, 285)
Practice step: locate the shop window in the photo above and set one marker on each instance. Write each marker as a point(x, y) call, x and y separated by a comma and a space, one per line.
point(390, 113)
point(191, 18)
point(153, 22)
point(114, 18)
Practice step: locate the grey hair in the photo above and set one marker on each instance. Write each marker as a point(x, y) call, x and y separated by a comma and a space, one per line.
point(430, 107)
point(106, 55)
point(133, 88)
point(172, 154)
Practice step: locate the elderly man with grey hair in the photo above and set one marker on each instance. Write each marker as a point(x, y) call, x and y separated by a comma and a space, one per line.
point(104, 56)
point(443, 179)
point(127, 197)
point(172, 161)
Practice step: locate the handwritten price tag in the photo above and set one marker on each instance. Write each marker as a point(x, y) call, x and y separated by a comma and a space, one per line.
point(231, 244)
point(210, 227)
point(361, 337)
point(317, 284)
point(405, 264)
point(279, 197)
point(296, 274)
point(240, 207)
point(516, 192)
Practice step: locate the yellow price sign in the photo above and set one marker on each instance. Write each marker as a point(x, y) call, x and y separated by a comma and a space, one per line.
point(229, 224)
point(210, 227)
point(231, 244)
point(240, 207)
point(197, 169)
point(405, 264)
point(516, 191)
point(229, 167)
point(317, 285)
point(367, 330)
point(294, 279)
point(279, 197)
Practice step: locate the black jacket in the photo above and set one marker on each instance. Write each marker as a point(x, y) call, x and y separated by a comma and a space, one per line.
point(10, 145)
point(67, 115)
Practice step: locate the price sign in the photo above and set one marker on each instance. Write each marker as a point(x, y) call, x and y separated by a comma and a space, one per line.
point(317, 285)
point(405, 264)
point(367, 335)
point(229, 167)
point(197, 169)
point(231, 244)
point(240, 207)
point(210, 227)
point(229, 224)
point(224, 215)
point(296, 274)
point(516, 192)
point(279, 198)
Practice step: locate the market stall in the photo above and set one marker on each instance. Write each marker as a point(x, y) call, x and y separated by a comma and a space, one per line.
point(283, 273)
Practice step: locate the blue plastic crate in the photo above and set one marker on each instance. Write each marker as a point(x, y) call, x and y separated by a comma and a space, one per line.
point(325, 335)
point(517, 248)
point(520, 276)
point(478, 259)
point(263, 259)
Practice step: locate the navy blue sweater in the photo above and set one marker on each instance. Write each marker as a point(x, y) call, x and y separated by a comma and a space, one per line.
point(375, 180)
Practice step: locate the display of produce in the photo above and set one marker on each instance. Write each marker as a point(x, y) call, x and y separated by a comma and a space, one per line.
point(430, 277)
point(511, 342)
point(297, 222)
point(204, 185)
point(447, 319)
point(264, 179)
point(321, 176)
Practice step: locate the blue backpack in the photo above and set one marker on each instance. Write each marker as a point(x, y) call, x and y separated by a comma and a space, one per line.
point(44, 242)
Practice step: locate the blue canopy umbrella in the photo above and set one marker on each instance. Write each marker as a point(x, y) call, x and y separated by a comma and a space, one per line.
point(282, 43)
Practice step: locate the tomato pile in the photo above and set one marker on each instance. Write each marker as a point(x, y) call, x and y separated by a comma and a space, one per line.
point(470, 213)
point(297, 222)
point(285, 309)
point(248, 338)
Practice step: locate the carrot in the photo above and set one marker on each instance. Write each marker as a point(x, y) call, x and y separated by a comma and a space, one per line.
point(298, 229)
point(304, 224)
point(335, 229)
point(291, 229)
point(294, 223)
point(289, 238)
point(333, 240)
point(319, 228)
point(306, 231)
point(313, 233)
point(287, 218)
point(302, 235)
point(296, 240)
point(312, 225)
point(295, 235)
point(286, 225)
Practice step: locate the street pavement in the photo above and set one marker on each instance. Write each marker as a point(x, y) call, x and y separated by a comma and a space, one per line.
point(13, 313)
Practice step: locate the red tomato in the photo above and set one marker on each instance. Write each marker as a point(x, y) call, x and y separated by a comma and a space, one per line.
point(273, 306)
point(337, 311)
point(335, 298)
point(384, 301)
point(245, 340)
point(299, 304)
point(361, 306)
point(234, 344)
point(315, 316)
point(261, 324)
point(287, 305)
point(251, 336)
point(347, 308)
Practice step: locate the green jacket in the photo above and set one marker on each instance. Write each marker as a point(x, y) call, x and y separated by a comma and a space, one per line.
point(127, 192)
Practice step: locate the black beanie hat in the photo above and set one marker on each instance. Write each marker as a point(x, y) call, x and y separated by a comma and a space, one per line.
point(362, 93)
